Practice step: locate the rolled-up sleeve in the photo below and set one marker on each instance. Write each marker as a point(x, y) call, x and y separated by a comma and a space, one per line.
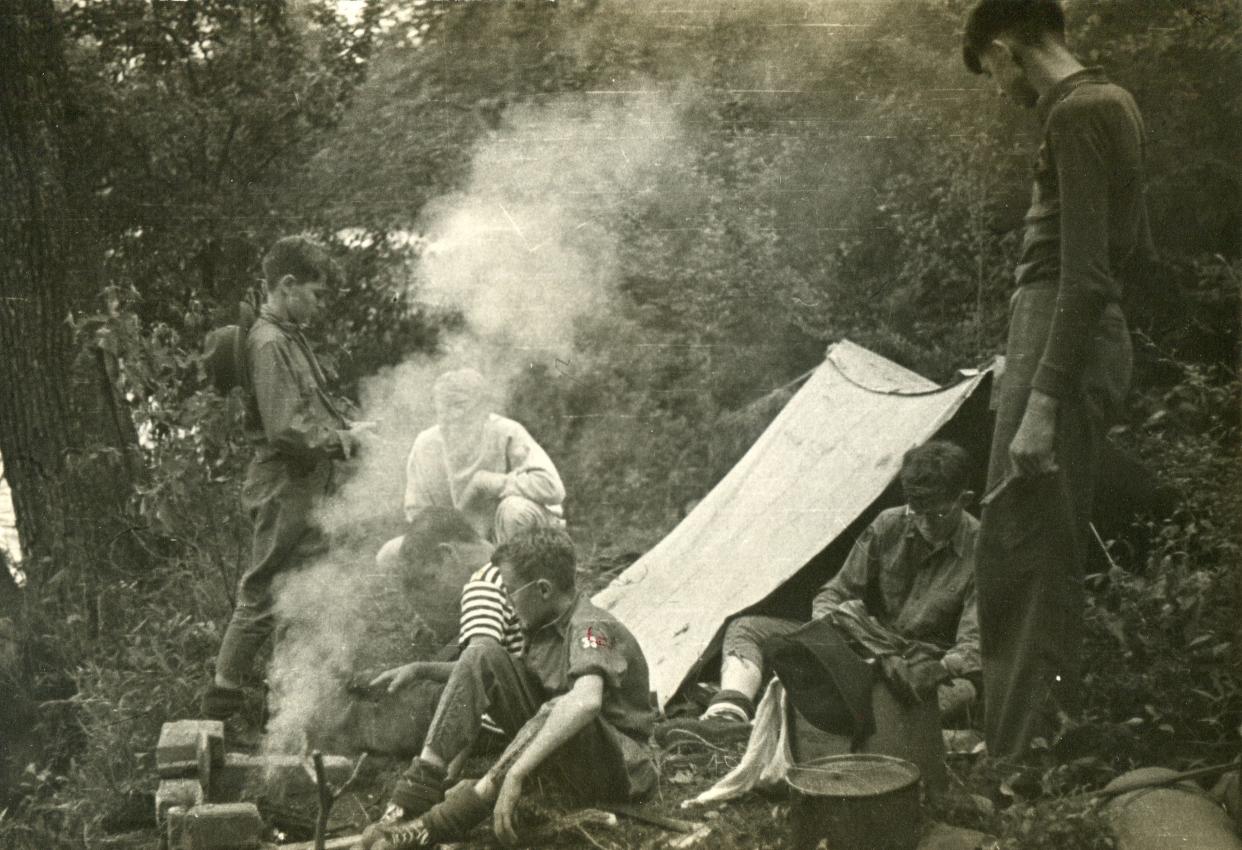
point(593, 649)
point(290, 422)
point(532, 474)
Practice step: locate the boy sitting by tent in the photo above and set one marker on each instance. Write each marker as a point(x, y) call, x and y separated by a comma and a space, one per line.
point(575, 702)
point(905, 596)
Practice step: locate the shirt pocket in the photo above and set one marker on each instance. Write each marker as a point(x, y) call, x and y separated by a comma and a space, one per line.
point(937, 615)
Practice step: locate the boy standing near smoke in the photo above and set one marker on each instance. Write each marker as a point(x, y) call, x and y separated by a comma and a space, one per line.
point(575, 702)
point(1067, 363)
point(297, 436)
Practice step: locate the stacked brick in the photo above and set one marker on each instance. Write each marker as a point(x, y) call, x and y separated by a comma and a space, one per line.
point(198, 803)
point(191, 762)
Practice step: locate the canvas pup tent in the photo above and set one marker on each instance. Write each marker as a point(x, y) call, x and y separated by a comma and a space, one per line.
point(829, 454)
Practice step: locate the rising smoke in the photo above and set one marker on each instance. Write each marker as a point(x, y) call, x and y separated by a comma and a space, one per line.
point(523, 251)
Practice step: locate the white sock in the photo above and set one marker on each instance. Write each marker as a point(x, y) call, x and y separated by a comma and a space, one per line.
point(725, 711)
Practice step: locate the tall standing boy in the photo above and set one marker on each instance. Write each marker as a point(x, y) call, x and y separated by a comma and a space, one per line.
point(1067, 363)
point(297, 436)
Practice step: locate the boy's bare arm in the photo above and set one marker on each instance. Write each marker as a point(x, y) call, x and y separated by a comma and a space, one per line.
point(428, 671)
point(568, 715)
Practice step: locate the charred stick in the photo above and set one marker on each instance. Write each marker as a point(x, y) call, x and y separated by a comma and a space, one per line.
point(328, 795)
point(673, 824)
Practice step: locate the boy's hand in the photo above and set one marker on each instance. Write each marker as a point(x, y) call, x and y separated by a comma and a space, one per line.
point(954, 695)
point(350, 443)
point(357, 436)
point(897, 673)
point(1032, 449)
point(484, 483)
point(398, 677)
point(503, 815)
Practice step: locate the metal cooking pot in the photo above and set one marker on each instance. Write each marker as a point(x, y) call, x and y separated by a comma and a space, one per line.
point(856, 802)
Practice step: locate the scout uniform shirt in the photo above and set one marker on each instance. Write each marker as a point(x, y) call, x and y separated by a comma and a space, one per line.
point(587, 640)
point(296, 433)
point(290, 420)
point(921, 593)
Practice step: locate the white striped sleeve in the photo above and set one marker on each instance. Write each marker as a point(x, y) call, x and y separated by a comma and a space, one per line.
point(484, 607)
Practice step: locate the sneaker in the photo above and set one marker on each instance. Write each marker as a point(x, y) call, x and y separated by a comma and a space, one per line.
point(715, 729)
point(394, 836)
point(462, 810)
point(418, 789)
point(404, 836)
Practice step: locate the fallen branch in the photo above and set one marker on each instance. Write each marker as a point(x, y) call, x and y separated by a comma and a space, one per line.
point(673, 824)
point(571, 822)
point(589, 837)
point(700, 834)
point(344, 842)
point(328, 796)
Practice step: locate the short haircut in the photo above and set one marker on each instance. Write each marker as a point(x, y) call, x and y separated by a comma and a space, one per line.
point(540, 553)
point(301, 257)
point(431, 527)
point(936, 469)
point(1026, 20)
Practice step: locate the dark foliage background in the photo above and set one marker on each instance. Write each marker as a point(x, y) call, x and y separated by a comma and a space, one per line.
point(838, 174)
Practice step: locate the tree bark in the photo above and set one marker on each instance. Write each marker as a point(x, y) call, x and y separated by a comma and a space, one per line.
point(65, 449)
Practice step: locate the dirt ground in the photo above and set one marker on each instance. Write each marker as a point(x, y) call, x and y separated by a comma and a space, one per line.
point(757, 821)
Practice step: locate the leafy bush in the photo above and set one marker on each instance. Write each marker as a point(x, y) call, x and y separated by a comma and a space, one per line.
point(1165, 630)
point(821, 187)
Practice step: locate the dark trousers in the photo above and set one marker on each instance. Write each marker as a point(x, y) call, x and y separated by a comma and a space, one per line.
point(281, 502)
point(744, 637)
point(1034, 534)
point(488, 679)
point(392, 723)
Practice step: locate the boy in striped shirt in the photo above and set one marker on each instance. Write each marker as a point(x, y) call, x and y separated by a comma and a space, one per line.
point(576, 705)
point(486, 612)
point(440, 547)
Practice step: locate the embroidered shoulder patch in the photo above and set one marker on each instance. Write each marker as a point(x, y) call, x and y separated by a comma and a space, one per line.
point(593, 640)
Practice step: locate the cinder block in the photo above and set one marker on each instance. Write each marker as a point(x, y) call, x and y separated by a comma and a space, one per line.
point(179, 793)
point(172, 828)
point(189, 748)
point(229, 780)
point(274, 772)
point(216, 826)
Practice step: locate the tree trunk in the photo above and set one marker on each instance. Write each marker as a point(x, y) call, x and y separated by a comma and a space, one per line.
point(64, 434)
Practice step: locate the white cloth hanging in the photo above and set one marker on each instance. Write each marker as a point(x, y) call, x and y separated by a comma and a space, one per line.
point(768, 755)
